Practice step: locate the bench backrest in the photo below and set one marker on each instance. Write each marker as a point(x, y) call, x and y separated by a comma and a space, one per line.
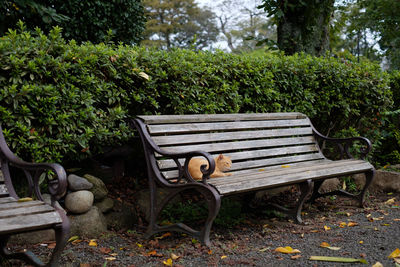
point(253, 141)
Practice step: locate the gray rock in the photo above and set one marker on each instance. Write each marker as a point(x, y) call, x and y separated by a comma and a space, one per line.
point(33, 237)
point(99, 189)
point(329, 185)
point(88, 225)
point(76, 183)
point(386, 181)
point(79, 202)
point(123, 216)
point(105, 205)
point(47, 199)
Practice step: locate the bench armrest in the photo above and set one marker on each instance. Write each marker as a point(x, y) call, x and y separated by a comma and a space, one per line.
point(150, 146)
point(57, 186)
point(344, 144)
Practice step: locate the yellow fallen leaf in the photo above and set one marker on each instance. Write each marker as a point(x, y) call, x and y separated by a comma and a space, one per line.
point(93, 243)
point(334, 248)
point(342, 224)
point(260, 170)
point(377, 264)
point(223, 257)
point(139, 245)
point(361, 242)
point(385, 224)
point(351, 224)
point(336, 259)
point(164, 235)
point(110, 258)
point(327, 228)
point(285, 166)
point(324, 245)
point(210, 252)
point(73, 238)
point(390, 201)
point(263, 249)
point(168, 262)
point(395, 254)
point(174, 256)
point(25, 199)
point(287, 250)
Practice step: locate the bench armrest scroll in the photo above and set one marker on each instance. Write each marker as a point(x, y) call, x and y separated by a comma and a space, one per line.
point(344, 144)
point(57, 186)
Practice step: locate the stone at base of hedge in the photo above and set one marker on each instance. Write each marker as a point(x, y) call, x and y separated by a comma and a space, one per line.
point(99, 189)
point(386, 181)
point(88, 225)
point(329, 185)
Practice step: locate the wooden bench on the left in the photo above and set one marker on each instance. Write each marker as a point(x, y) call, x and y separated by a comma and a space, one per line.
point(24, 215)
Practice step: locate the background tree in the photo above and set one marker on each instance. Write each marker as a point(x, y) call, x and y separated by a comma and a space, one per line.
point(81, 20)
point(179, 23)
point(302, 25)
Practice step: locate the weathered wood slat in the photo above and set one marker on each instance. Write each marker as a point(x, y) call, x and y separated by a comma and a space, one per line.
point(223, 126)
point(13, 205)
point(252, 154)
point(265, 162)
point(287, 169)
point(253, 144)
point(7, 200)
point(225, 136)
point(157, 119)
point(260, 182)
point(23, 223)
point(25, 211)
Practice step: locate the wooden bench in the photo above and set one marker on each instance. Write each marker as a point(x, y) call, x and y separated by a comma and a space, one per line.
point(17, 216)
point(267, 150)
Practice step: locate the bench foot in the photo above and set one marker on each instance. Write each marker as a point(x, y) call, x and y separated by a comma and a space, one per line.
point(295, 213)
point(212, 198)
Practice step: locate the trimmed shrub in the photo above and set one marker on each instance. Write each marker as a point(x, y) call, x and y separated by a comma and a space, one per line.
point(63, 101)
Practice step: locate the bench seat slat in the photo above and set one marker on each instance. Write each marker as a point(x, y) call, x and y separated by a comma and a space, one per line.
point(18, 224)
point(252, 154)
point(13, 205)
point(225, 136)
point(223, 126)
point(253, 144)
point(157, 119)
point(227, 185)
point(25, 211)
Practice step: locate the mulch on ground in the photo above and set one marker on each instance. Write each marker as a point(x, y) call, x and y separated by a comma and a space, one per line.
point(371, 233)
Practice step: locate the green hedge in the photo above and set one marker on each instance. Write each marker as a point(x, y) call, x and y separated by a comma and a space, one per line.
point(62, 101)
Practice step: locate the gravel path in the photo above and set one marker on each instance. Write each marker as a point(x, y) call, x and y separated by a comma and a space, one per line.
point(253, 243)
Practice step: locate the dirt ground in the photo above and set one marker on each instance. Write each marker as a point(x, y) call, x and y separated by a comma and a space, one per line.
point(371, 233)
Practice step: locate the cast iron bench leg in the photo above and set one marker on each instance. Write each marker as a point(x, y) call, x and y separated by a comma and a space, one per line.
point(369, 176)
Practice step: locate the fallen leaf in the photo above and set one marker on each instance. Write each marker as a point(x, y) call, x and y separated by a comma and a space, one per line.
point(174, 256)
point(324, 245)
point(168, 262)
point(336, 259)
point(224, 257)
point(263, 249)
point(93, 243)
point(114, 254)
point(342, 224)
point(295, 257)
point(327, 228)
point(110, 258)
point(25, 199)
point(73, 238)
point(390, 201)
point(361, 242)
point(154, 253)
point(287, 250)
point(52, 245)
point(377, 264)
point(164, 235)
point(77, 241)
point(139, 245)
point(210, 252)
point(352, 224)
point(105, 250)
point(84, 265)
point(260, 170)
point(395, 254)
point(285, 166)
point(396, 220)
point(385, 224)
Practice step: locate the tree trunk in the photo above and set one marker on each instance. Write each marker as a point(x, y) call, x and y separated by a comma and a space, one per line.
point(305, 27)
